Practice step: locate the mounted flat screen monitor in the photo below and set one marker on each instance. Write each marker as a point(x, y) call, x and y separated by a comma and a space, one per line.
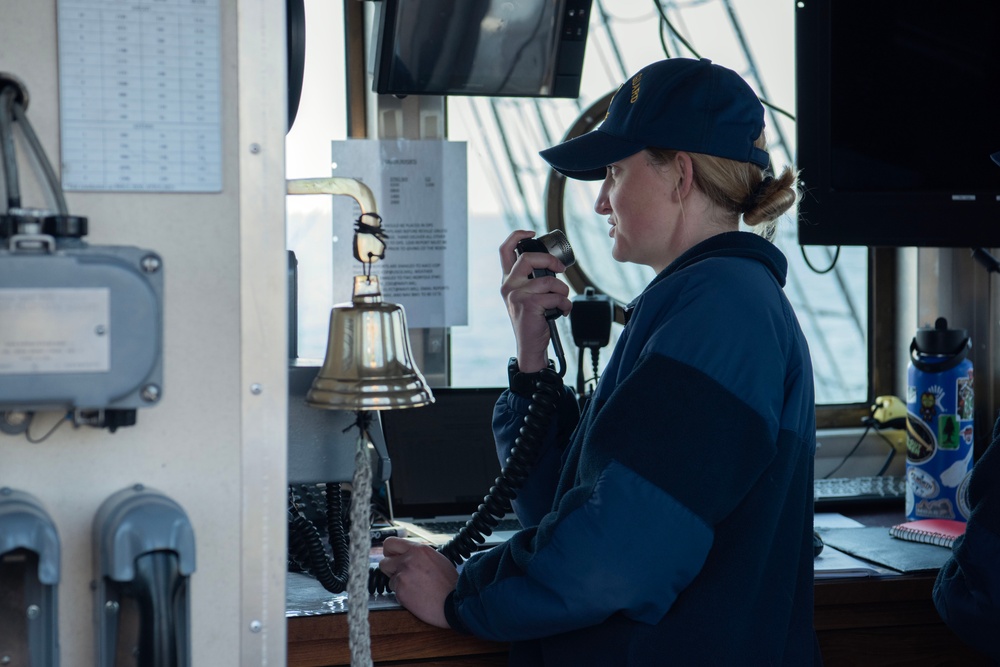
point(490, 48)
point(898, 113)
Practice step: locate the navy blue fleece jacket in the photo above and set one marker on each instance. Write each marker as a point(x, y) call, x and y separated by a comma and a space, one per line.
point(676, 522)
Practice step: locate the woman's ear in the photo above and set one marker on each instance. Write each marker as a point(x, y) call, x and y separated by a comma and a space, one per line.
point(685, 174)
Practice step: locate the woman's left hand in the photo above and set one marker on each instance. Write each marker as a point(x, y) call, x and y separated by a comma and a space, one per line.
point(420, 576)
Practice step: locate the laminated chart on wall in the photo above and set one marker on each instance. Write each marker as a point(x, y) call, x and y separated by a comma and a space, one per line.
point(140, 95)
point(421, 191)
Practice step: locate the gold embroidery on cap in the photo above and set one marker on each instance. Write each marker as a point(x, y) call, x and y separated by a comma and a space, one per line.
point(635, 87)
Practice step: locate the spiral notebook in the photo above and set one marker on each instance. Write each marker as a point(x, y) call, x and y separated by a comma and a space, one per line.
point(443, 462)
point(940, 532)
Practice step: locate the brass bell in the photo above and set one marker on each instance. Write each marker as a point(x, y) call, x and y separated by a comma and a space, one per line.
point(368, 363)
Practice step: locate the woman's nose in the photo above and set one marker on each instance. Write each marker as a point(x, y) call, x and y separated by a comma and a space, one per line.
point(602, 206)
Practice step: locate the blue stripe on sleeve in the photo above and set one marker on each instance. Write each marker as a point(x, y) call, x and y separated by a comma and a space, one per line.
point(595, 563)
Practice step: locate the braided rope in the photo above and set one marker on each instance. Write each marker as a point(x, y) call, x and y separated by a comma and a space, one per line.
point(360, 537)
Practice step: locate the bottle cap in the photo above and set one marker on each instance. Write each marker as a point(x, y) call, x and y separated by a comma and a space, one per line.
point(941, 340)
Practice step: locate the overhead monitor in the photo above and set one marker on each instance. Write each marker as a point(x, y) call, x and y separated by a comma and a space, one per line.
point(897, 116)
point(490, 48)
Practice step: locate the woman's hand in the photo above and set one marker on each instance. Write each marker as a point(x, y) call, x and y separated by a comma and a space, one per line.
point(528, 298)
point(421, 577)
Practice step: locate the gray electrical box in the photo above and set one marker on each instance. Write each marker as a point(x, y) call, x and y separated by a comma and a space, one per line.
point(81, 327)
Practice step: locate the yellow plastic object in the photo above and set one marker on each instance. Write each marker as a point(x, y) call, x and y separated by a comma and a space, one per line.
point(889, 413)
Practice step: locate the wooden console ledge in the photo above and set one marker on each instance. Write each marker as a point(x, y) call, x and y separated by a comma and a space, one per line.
point(397, 637)
point(866, 621)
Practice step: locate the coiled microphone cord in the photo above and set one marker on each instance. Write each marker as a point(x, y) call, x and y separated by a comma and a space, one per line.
point(305, 544)
point(523, 456)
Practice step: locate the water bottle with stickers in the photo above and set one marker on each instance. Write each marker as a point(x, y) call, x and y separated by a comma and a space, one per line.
point(939, 405)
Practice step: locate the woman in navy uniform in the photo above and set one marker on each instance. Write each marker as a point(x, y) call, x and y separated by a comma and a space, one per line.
point(672, 519)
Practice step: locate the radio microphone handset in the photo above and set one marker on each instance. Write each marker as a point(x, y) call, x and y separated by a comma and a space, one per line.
point(555, 243)
point(527, 446)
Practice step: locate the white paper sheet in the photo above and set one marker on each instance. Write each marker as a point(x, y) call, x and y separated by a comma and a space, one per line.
point(140, 95)
point(420, 189)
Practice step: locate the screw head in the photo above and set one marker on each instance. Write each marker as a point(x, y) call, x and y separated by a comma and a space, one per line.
point(151, 263)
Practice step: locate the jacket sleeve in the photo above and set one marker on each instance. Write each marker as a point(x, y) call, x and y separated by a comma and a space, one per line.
point(593, 556)
point(967, 589)
point(534, 498)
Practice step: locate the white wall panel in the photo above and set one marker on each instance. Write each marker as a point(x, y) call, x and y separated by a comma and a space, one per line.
point(213, 444)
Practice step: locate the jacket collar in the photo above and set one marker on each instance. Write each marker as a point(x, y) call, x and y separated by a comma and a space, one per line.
point(727, 244)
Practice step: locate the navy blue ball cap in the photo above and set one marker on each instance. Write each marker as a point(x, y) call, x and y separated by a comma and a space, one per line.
point(676, 104)
point(996, 157)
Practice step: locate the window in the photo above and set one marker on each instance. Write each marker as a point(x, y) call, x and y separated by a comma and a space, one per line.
point(752, 37)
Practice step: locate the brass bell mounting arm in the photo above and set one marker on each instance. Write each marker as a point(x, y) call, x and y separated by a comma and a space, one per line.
point(369, 239)
point(335, 185)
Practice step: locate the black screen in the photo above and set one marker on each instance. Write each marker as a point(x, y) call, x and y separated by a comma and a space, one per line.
point(897, 116)
point(524, 48)
point(444, 459)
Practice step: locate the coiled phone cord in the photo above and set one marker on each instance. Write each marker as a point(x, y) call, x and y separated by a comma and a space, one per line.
point(305, 546)
point(523, 456)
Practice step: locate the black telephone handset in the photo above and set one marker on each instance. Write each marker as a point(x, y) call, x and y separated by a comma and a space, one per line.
point(554, 243)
